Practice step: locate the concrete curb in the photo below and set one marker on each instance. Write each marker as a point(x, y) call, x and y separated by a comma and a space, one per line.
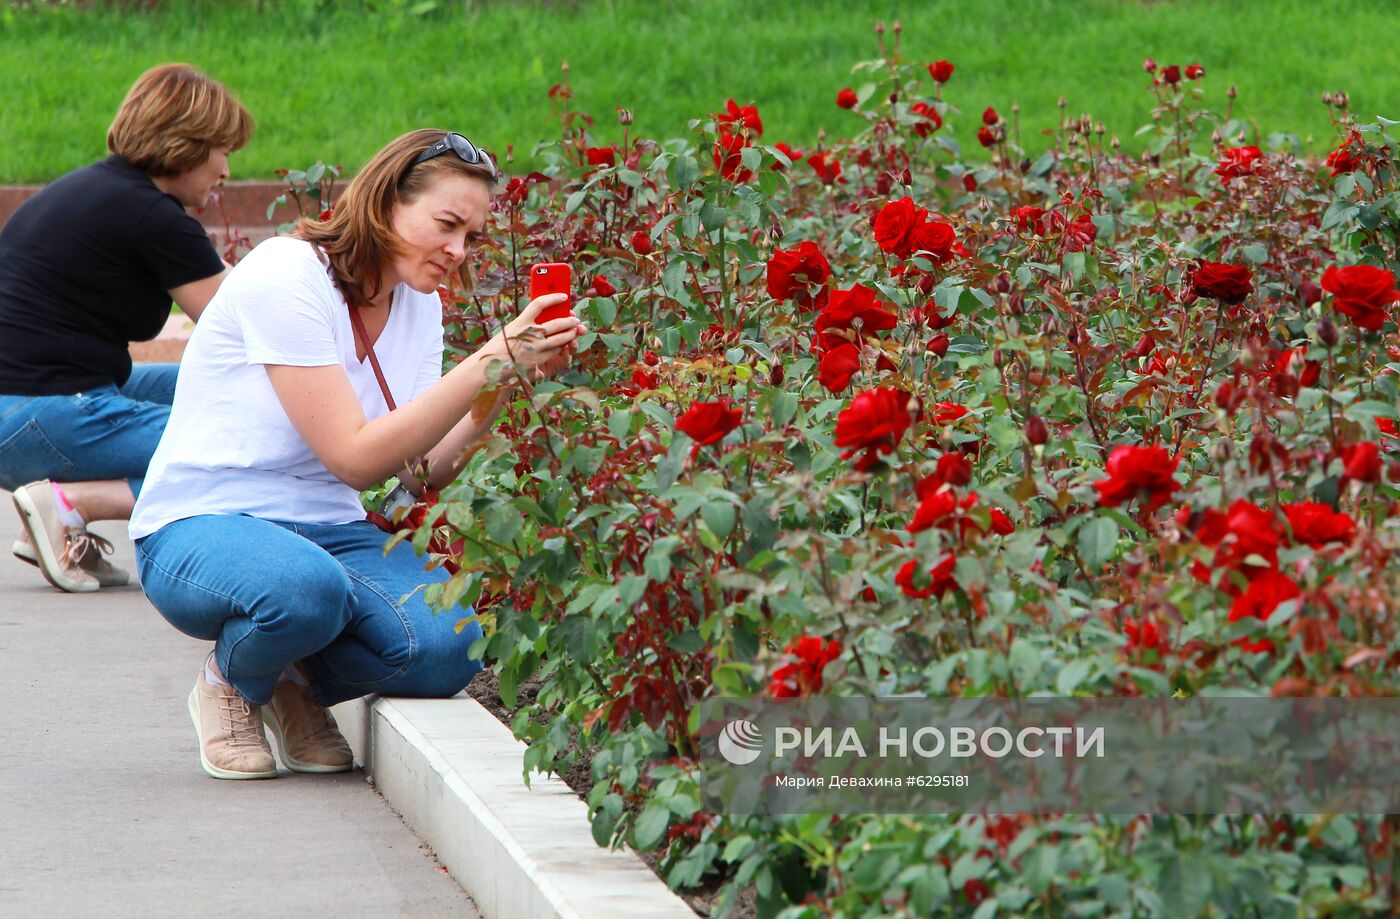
point(453, 772)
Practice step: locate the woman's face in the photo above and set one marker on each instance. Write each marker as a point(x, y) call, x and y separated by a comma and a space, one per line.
point(437, 228)
point(193, 187)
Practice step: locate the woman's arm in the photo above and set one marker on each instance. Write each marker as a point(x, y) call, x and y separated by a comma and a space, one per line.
point(325, 411)
point(193, 297)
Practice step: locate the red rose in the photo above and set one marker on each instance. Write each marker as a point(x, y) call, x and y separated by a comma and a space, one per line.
point(1362, 462)
point(1248, 530)
point(1236, 162)
point(930, 119)
point(932, 239)
point(728, 156)
point(736, 116)
point(791, 154)
point(1317, 524)
point(1349, 157)
point(940, 579)
point(641, 381)
point(986, 136)
point(855, 308)
point(826, 167)
point(1171, 75)
point(938, 344)
point(601, 156)
point(873, 424)
point(1264, 595)
point(894, 222)
point(602, 287)
point(836, 367)
point(941, 71)
point(641, 243)
point(948, 412)
point(1029, 219)
point(1144, 636)
point(803, 676)
point(1362, 292)
point(708, 422)
point(846, 98)
point(954, 469)
point(792, 273)
point(1079, 233)
point(1138, 472)
point(1001, 523)
point(990, 116)
point(1229, 284)
point(1195, 71)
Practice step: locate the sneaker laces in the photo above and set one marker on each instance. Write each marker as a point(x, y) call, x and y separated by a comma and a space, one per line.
point(237, 719)
point(79, 543)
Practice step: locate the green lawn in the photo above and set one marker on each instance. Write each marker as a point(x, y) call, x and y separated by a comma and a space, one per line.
point(337, 80)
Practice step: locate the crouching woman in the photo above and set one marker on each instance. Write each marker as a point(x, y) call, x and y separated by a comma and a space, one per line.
point(249, 530)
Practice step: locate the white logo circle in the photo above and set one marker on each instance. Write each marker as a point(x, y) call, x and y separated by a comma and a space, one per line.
point(740, 742)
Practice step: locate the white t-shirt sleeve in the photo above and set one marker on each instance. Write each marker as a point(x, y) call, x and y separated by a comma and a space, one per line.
point(287, 310)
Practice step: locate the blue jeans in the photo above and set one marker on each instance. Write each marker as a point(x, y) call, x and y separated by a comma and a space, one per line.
point(106, 433)
point(271, 593)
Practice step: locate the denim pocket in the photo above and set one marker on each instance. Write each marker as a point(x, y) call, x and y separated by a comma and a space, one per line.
point(28, 455)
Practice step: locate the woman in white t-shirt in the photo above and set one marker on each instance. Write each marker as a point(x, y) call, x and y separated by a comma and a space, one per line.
point(249, 530)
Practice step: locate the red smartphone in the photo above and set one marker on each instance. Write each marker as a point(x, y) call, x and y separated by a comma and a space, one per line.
point(552, 278)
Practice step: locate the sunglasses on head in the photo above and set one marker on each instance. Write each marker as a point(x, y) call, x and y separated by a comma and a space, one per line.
point(466, 151)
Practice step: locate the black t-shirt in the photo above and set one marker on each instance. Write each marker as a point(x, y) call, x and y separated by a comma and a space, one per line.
point(86, 265)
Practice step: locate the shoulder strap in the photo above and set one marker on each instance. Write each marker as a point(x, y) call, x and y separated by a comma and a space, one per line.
point(359, 325)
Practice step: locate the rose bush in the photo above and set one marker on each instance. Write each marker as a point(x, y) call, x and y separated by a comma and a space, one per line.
point(1070, 423)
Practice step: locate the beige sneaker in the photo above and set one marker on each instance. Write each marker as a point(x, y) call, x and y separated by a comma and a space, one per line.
point(57, 548)
point(231, 740)
point(89, 548)
point(308, 738)
point(24, 549)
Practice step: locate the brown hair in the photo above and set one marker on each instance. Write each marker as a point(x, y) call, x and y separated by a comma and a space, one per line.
point(172, 117)
point(358, 237)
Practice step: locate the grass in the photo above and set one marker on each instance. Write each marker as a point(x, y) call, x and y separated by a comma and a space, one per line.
point(335, 81)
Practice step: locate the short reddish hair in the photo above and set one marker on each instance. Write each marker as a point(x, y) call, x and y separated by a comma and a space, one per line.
point(172, 117)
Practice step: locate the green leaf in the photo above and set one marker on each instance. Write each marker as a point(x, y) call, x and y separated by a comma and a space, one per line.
point(651, 826)
point(1185, 886)
point(1071, 675)
point(783, 408)
point(1098, 539)
point(683, 172)
point(503, 524)
point(719, 517)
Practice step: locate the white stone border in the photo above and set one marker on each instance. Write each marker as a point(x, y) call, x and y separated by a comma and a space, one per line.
point(453, 772)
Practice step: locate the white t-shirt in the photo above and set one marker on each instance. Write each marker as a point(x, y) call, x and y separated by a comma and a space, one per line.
point(229, 448)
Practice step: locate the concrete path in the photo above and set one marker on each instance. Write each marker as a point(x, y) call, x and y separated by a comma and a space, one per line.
point(104, 810)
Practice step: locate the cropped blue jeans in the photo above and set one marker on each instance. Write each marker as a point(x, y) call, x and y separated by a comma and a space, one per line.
point(270, 593)
point(109, 432)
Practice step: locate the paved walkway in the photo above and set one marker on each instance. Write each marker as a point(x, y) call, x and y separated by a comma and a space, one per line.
point(104, 810)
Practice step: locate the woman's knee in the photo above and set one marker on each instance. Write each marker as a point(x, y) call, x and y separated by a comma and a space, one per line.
point(441, 665)
point(316, 604)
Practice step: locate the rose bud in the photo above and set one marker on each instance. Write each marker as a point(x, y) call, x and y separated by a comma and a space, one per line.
point(642, 244)
point(1327, 333)
point(938, 344)
point(1149, 65)
point(775, 375)
point(1309, 292)
point(1229, 396)
point(990, 116)
point(1144, 347)
point(1003, 283)
point(650, 359)
point(1036, 430)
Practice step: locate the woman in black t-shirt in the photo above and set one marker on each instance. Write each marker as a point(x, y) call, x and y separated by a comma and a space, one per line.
point(87, 265)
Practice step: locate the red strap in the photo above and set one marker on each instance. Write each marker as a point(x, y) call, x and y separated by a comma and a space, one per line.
point(363, 339)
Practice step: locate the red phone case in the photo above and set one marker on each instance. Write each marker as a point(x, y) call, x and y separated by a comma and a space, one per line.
point(552, 278)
